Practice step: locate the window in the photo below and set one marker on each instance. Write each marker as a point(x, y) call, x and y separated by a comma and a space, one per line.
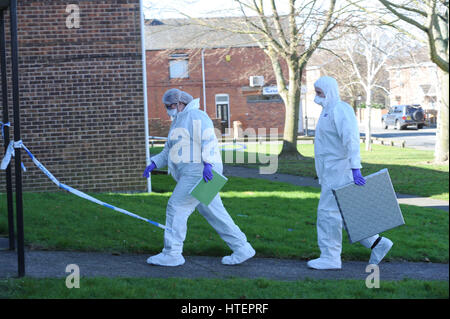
point(222, 98)
point(179, 66)
point(178, 69)
point(264, 98)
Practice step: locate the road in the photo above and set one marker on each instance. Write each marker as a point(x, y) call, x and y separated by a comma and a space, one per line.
point(423, 139)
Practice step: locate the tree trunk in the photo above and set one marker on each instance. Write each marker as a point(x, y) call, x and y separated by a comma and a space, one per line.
point(441, 149)
point(291, 127)
point(291, 102)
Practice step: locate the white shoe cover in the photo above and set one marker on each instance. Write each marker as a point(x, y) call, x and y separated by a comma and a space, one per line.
point(324, 264)
point(239, 256)
point(380, 250)
point(166, 260)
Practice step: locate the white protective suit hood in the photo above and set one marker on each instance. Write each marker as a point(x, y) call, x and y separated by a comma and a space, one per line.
point(330, 88)
point(193, 105)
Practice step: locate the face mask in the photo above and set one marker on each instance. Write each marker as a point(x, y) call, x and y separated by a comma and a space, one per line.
point(172, 112)
point(319, 100)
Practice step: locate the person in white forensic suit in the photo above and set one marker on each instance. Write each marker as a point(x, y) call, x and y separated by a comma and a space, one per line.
point(191, 152)
point(337, 162)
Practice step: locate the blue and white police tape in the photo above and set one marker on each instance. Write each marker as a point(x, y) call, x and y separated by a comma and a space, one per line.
point(10, 153)
point(19, 144)
point(3, 136)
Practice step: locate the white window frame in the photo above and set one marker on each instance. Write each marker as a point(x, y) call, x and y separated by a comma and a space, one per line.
point(179, 61)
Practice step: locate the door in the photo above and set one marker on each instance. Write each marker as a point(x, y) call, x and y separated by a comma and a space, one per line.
point(223, 111)
point(390, 117)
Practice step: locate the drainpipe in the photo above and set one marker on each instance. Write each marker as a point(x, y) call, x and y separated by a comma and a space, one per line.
point(144, 80)
point(203, 76)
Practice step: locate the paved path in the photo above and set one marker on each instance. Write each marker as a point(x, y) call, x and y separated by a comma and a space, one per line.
point(52, 264)
point(309, 181)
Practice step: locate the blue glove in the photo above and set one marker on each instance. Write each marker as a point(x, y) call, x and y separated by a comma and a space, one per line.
point(207, 172)
point(357, 177)
point(148, 170)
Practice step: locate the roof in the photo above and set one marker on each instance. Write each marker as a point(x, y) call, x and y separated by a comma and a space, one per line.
point(197, 33)
point(413, 65)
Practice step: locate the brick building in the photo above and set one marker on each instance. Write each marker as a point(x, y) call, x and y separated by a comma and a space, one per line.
point(216, 66)
point(81, 94)
point(414, 84)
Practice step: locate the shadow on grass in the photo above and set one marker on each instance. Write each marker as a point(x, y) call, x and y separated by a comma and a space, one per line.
point(423, 179)
point(431, 181)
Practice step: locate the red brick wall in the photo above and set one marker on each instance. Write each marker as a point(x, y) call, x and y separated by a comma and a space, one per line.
point(81, 94)
point(222, 77)
point(159, 127)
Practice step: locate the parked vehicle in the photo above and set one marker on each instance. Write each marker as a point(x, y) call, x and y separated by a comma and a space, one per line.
point(402, 116)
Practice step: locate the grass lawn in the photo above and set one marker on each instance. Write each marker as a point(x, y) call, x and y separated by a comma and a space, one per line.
point(278, 219)
point(411, 171)
point(234, 288)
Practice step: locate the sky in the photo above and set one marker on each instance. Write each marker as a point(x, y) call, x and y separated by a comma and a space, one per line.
point(158, 9)
point(195, 8)
point(205, 8)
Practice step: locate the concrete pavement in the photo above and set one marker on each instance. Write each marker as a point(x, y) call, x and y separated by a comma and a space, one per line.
point(52, 264)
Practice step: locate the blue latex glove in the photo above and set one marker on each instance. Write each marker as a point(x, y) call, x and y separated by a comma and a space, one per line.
point(357, 177)
point(207, 172)
point(148, 170)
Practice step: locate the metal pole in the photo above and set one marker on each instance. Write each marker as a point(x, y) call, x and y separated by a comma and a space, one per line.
point(203, 79)
point(306, 119)
point(9, 193)
point(18, 159)
point(144, 84)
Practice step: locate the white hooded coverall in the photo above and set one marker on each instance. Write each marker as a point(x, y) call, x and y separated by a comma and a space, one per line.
point(191, 142)
point(336, 152)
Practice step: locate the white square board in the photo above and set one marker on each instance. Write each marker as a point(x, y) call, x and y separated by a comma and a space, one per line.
point(369, 209)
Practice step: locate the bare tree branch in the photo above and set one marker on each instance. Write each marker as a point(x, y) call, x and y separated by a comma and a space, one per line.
point(278, 28)
point(399, 6)
point(390, 7)
point(313, 46)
